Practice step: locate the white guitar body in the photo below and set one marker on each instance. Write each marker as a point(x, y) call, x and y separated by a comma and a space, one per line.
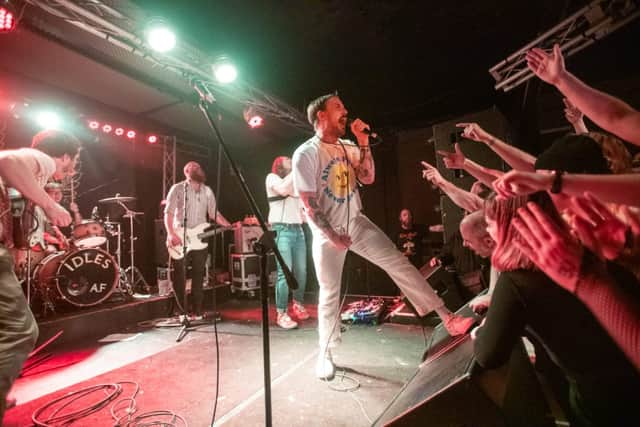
point(194, 241)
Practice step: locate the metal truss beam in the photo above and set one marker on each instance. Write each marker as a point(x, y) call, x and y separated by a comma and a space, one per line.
point(591, 23)
point(119, 22)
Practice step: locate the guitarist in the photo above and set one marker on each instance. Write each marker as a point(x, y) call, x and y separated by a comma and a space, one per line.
point(201, 203)
point(53, 154)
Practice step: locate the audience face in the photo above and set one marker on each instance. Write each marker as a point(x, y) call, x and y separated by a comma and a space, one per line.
point(474, 233)
point(406, 219)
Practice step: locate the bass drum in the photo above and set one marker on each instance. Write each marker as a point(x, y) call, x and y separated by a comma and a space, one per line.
point(83, 277)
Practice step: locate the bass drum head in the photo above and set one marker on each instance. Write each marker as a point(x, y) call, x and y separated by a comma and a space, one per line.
point(87, 277)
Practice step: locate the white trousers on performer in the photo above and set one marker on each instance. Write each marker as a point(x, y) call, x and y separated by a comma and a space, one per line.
point(372, 244)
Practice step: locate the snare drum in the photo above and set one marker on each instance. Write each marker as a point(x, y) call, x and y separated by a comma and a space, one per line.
point(83, 277)
point(89, 234)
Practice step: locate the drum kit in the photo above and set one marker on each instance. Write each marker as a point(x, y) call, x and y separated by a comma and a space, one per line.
point(89, 271)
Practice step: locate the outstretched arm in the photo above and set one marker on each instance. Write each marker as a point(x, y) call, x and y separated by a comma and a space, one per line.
point(468, 201)
point(622, 189)
point(608, 112)
point(457, 160)
point(515, 157)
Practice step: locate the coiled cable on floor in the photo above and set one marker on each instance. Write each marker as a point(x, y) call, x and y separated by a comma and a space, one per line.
point(122, 411)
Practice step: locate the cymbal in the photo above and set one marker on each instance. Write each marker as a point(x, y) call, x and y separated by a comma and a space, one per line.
point(117, 199)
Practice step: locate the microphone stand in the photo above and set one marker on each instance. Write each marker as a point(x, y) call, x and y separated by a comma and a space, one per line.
point(265, 244)
point(186, 325)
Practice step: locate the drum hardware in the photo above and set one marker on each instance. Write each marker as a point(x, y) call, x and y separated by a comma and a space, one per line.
point(89, 234)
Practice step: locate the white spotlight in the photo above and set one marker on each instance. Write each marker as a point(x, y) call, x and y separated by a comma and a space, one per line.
point(48, 120)
point(224, 71)
point(161, 38)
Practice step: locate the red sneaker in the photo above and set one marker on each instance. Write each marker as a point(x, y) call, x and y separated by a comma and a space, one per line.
point(458, 325)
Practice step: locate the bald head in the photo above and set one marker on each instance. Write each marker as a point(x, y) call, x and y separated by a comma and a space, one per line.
point(473, 229)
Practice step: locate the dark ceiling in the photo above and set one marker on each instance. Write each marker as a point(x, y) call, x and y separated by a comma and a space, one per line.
point(394, 62)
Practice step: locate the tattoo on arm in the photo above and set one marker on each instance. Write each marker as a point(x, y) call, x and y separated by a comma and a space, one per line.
point(366, 169)
point(316, 215)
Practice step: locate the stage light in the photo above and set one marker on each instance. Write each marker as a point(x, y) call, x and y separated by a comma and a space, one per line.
point(131, 134)
point(94, 125)
point(119, 132)
point(7, 17)
point(252, 117)
point(160, 37)
point(224, 70)
point(48, 120)
point(152, 139)
point(107, 128)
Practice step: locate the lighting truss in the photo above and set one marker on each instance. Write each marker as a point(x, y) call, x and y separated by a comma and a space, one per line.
point(118, 27)
point(591, 23)
point(168, 163)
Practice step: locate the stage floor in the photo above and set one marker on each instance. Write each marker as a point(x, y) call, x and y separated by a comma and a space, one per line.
point(181, 377)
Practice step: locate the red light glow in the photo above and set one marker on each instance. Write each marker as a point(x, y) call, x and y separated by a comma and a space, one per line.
point(255, 122)
point(7, 20)
point(152, 139)
point(131, 134)
point(107, 128)
point(94, 125)
point(119, 131)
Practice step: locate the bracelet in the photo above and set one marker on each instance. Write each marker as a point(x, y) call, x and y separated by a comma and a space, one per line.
point(365, 147)
point(556, 184)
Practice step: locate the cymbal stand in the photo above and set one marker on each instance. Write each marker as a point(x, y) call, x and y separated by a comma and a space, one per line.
point(135, 276)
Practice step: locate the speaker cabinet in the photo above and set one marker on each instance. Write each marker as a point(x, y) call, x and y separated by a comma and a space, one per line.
point(450, 390)
point(160, 243)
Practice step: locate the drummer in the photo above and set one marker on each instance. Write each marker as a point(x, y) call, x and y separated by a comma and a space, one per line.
point(54, 238)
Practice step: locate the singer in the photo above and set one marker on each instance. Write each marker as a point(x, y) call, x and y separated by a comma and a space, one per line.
point(326, 169)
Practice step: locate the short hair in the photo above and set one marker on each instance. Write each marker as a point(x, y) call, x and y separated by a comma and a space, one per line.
point(277, 167)
point(318, 104)
point(56, 143)
point(574, 154)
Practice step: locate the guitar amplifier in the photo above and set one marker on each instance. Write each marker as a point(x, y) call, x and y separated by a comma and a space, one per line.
point(244, 236)
point(245, 271)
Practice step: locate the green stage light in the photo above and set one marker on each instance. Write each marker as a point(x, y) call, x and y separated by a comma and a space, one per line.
point(161, 38)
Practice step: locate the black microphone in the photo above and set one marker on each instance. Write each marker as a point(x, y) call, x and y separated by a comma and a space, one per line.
point(202, 89)
point(373, 135)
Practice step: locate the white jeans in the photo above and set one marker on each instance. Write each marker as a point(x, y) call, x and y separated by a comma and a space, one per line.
point(371, 243)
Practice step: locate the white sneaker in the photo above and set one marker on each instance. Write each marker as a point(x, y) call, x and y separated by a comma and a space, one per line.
point(325, 369)
point(285, 322)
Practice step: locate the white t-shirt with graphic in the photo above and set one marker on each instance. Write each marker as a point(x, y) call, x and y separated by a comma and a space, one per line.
point(287, 210)
point(324, 169)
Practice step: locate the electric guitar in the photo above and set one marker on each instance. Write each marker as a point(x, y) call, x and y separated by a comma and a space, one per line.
point(196, 238)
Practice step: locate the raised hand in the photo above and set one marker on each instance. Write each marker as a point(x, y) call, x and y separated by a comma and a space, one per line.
point(548, 67)
point(520, 183)
point(551, 248)
point(358, 128)
point(598, 228)
point(474, 132)
point(432, 174)
point(453, 160)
